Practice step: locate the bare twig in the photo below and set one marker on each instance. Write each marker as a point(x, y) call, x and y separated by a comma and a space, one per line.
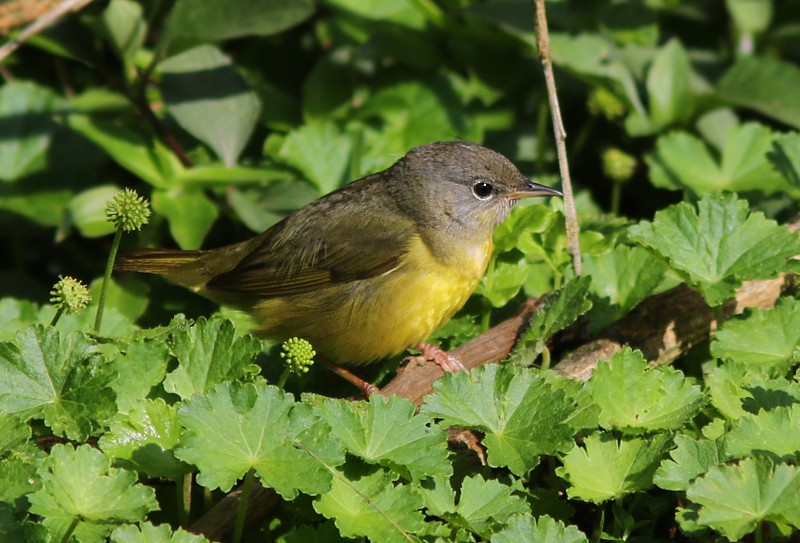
point(40, 24)
point(543, 44)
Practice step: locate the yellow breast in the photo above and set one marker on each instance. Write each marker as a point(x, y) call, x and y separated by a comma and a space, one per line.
point(367, 320)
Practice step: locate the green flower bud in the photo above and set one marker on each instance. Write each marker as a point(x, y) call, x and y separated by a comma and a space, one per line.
point(298, 355)
point(128, 211)
point(69, 295)
point(618, 165)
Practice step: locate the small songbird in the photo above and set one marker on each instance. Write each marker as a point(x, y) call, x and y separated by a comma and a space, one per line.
point(371, 269)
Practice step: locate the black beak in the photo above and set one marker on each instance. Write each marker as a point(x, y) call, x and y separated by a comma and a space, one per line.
point(531, 189)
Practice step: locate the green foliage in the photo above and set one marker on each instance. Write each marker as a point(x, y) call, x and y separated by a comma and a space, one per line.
point(229, 114)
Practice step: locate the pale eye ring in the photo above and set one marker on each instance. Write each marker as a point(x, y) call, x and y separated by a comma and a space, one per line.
point(483, 190)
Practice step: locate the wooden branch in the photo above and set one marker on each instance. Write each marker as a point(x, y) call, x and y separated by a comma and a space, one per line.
point(571, 216)
point(40, 24)
point(218, 523)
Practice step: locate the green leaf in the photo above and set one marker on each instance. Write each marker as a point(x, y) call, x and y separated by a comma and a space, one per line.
point(143, 439)
point(260, 208)
point(15, 315)
point(734, 499)
point(560, 309)
point(139, 369)
point(238, 427)
point(768, 338)
point(148, 533)
point(138, 152)
point(785, 156)
point(216, 20)
point(483, 505)
point(386, 432)
point(682, 161)
point(320, 151)
point(19, 459)
point(621, 279)
point(125, 27)
point(772, 432)
point(502, 281)
point(80, 484)
point(689, 459)
point(411, 113)
point(669, 89)
point(87, 211)
point(592, 56)
point(25, 113)
point(373, 506)
point(544, 529)
point(522, 415)
point(62, 378)
point(210, 100)
point(404, 12)
point(208, 353)
point(606, 469)
point(719, 245)
point(750, 17)
point(765, 84)
point(657, 398)
point(189, 212)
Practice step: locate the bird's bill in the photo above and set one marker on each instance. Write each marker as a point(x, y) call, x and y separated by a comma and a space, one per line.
point(531, 189)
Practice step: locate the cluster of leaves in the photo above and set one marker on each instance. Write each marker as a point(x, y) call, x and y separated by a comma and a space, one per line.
point(228, 114)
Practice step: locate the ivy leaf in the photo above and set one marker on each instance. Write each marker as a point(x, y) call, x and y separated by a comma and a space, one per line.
point(143, 439)
point(719, 245)
point(544, 529)
point(621, 278)
point(690, 458)
point(385, 431)
point(734, 499)
point(560, 309)
point(483, 505)
point(737, 389)
point(19, 459)
point(62, 378)
point(372, 506)
point(146, 532)
point(522, 414)
point(238, 427)
point(208, 353)
point(655, 398)
point(771, 432)
point(503, 281)
point(768, 338)
point(606, 469)
point(80, 484)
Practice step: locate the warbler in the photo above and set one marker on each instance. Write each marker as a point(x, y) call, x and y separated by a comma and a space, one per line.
point(371, 269)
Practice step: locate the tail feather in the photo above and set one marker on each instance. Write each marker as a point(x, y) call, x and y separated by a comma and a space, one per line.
point(159, 261)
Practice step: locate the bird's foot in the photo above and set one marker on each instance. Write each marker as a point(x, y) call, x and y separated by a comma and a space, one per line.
point(366, 388)
point(446, 361)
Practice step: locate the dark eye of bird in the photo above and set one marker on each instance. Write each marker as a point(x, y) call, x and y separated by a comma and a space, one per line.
point(482, 190)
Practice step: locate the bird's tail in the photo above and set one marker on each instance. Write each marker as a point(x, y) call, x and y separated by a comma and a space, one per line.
point(182, 267)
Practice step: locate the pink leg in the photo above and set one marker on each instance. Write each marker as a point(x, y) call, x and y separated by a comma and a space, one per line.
point(366, 388)
point(448, 363)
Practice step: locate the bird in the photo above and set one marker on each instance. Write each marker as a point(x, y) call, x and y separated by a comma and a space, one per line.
point(368, 270)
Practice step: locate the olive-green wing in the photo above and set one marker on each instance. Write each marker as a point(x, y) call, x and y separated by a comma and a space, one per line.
point(334, 253)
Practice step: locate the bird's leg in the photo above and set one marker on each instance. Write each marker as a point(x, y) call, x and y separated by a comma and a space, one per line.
point(448, 362)
point(366, 388)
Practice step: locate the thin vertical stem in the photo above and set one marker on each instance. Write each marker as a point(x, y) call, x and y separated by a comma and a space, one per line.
point(543, 44)
point(101, 302)
point(241, 513)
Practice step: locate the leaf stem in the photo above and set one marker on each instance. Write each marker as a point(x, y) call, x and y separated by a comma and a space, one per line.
point(101, 302)
point(70, 530)
point(545, 358)
point(241, 513)
point(183, 497)
point(616, 197)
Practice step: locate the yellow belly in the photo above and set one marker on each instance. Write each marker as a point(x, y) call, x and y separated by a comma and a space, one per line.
point(366, 320)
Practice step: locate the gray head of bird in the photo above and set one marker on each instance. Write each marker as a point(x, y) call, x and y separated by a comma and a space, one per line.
point(460, 185)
